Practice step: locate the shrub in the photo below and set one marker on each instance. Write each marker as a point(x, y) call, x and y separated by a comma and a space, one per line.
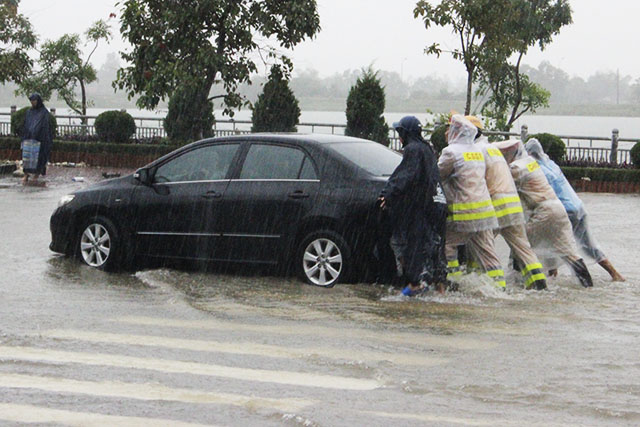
point(17, 121)
point(365, 106)
point(437, 138)
point(115, 126)
point(552, 145)
point(602, 174)
point(276, 109)
point(635, 154)
point(186, 120)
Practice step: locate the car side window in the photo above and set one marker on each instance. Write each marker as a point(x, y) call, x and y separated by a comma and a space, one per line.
point(308, 171)
point(208, 163)
point(272, 162)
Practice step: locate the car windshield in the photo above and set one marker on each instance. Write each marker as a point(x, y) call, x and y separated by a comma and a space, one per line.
point(376, 159)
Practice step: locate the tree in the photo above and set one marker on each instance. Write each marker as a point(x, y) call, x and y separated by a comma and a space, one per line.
point(62, 68)
point(181, 127)
point(470, 20)
point(365, 106)
point(276, 109)
point(523, 24)
point(205, 42)
point(16, 39)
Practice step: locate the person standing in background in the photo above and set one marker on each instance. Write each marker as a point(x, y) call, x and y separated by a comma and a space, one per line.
point(37, 127)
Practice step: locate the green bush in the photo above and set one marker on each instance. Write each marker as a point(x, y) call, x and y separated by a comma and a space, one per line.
point(12, 143)
point(365, 106)
point(438, 139)
point(602, 174)
point(115, 126)
point(17, 121)
point(276, 109)
point(635, 154)
point(186, 121)
point(552, 145)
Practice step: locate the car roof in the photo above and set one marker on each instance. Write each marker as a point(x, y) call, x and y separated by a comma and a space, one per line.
point(306, 138)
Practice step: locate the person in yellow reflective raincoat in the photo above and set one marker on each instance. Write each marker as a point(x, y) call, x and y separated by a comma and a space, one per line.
point(509, 212)
point(548, 227)
point(471, 219)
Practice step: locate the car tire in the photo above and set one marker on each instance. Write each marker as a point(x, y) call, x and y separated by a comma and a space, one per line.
point(323, 259)
point(99, 244)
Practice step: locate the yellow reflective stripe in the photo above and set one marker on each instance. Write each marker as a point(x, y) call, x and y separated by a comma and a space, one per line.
point(455, 273)
point(495, 273)
point(467, 206)
point(533, 166)
point(508, 211)
point(530, 267)
point(473, 157)
point(505, 200)
point(472, 216)
point(454, 263)
point(535, 278)
point(501, 284)
point(494, 152)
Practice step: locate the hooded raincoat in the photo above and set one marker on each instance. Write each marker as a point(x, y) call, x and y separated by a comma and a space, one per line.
point(506, 202)
point(472, 218)
point(37, 127)
point(417, 210)
point(569, 199)
point(548, 227)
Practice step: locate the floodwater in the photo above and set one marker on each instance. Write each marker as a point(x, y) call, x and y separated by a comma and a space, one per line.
point(168, 347)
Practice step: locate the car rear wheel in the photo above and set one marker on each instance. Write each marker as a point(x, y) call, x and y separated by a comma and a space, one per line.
point(99, 245)
point(324, 259)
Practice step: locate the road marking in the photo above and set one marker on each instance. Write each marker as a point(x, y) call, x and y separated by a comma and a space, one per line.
point(247, 348)
point(35, 414)
point(148, 392)
point(353, 333)
point(430, 418)
point(174, 366)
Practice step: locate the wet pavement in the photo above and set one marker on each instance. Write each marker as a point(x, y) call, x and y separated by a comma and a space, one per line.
point(173, 347)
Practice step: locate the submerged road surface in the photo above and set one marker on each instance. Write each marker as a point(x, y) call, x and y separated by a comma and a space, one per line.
point(167, 347)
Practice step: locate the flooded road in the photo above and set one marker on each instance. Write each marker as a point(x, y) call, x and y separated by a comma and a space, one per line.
point(168, 347)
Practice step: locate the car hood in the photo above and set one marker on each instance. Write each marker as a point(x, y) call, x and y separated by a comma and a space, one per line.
point(107, 183)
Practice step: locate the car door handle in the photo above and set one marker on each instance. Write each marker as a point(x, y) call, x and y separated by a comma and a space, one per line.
point(298, 195)
point(212, 195)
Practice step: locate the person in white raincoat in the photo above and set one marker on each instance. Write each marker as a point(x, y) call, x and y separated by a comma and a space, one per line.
point(471, 219)
point(548, 226)
point(509, 212)
point(574, 207)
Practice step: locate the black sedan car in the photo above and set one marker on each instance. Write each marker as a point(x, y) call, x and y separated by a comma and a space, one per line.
point(301, 201)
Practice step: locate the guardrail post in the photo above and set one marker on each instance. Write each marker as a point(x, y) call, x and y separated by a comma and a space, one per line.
point(614, 146)
point(13, 109)
point(524, 132)
point(52, 111)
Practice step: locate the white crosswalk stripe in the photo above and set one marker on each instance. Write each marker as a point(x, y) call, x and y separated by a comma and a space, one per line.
point(245, 348)
point(172, 366)
point(35, 414)
point(147, 392)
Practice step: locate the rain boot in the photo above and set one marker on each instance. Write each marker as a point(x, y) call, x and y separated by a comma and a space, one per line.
point(580, 268)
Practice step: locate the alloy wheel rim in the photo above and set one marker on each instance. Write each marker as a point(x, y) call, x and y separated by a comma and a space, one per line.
point(322, 262)
point(95, 245)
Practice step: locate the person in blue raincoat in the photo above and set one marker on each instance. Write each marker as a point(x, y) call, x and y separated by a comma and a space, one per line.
point(417, 210)
point(574, 207)
point(37, 127)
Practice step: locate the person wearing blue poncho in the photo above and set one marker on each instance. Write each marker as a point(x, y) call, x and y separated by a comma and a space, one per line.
point(37, 127)
point(574, 207)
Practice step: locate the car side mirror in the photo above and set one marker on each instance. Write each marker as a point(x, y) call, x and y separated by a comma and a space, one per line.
point(143, 176)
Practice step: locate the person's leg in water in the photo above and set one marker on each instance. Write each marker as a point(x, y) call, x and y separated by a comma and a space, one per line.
point(525, 258)
point(482, 248)
point(590, 246)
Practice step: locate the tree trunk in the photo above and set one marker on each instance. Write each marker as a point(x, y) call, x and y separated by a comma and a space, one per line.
point(84, 102)
point(467, 107)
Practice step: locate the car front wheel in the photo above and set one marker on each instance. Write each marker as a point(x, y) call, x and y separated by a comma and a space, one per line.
point(323, 259)
point(98, 244)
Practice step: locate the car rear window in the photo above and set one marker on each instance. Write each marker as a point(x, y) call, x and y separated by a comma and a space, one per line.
point(374, 158)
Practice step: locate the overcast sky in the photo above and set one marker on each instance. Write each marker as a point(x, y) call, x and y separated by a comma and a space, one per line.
point(356, 33)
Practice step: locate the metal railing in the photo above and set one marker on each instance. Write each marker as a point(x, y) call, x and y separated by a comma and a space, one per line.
point(579, 148)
